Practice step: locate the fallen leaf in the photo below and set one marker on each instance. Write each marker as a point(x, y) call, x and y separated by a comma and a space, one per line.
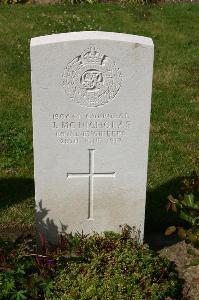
point(170, 230)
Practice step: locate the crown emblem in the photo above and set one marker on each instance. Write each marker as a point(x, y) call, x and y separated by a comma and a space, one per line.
point(92, 78)
point(91, 56)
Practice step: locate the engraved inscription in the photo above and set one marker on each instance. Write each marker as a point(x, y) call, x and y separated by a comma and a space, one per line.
point(92, 79)
point(91, 175)
point(90, 128)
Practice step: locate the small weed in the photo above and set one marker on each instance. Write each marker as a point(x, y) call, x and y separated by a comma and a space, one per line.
point(107, 266)
point(187, 208)
point(194, 262)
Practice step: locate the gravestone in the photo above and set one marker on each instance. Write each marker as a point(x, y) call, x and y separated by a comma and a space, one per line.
point(91, 95)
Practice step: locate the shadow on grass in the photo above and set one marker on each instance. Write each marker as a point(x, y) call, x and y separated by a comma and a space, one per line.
point(15, 190)
point(157, 219)
point(156, 216)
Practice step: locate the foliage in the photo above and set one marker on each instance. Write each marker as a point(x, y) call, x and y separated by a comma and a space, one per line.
point(107, 266)
point(74, 2)
point(186, 205)
point(116, 267)
point(133, 2)
point(80, 1)
point(13, 1)
point(128, 2)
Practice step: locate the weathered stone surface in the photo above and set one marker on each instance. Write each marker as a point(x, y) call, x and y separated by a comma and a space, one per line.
point(91, 95)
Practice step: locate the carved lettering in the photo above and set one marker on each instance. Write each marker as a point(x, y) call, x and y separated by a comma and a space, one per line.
point(91, 128)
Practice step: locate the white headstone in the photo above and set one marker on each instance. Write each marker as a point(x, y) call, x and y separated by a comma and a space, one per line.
point(91, 94)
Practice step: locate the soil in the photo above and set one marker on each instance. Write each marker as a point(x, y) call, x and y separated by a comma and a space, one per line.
point(186, 259)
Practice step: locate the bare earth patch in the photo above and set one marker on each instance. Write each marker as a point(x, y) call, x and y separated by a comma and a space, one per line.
point(186, 259)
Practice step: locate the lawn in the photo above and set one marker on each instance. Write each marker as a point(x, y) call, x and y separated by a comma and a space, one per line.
point(174, 133)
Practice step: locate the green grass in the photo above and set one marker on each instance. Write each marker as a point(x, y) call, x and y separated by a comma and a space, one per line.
point(174, 133)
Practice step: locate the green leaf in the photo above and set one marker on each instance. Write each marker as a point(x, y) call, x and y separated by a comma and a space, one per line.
point(192, 238)
point(182, 233)
point(20, 295)
point(170, 230)
point(185, 215)
point(20, 270)
point(194, 262)
point(189, 201)
point(173, 200)
point(9, 285)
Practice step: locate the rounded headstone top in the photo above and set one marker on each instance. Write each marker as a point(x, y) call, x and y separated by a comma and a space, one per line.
point(88, 35)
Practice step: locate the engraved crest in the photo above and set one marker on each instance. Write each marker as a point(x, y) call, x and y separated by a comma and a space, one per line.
point(92, 79)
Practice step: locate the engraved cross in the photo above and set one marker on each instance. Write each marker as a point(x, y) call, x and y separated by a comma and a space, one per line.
point(91, 175)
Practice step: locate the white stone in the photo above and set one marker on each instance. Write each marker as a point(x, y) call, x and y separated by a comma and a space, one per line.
point(91, 94)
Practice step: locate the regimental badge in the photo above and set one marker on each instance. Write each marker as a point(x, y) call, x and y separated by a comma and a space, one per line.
point(92, 79)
